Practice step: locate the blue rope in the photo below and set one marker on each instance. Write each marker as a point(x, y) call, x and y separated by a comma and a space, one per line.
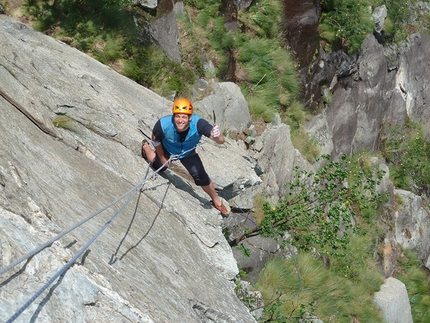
point(62, 271)
point(70, 263)
point(247, 215)
point(48, 243)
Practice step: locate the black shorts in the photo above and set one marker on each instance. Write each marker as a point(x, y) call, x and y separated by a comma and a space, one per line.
point(194, 166)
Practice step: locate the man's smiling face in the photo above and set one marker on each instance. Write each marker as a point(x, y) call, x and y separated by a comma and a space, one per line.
point(182, 121)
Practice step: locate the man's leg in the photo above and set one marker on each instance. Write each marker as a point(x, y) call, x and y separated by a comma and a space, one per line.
point(147, 152)
point(210, 190)
point(152, 157)
point(196, 169)
point(217, 203)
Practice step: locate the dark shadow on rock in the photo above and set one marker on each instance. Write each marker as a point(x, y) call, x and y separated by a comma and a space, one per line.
point(84, 257)
point(19, 272)
point(46, 299)
point(185, 186)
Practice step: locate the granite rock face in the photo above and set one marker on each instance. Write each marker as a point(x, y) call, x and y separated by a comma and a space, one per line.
point(381, 86)
point(70, 146)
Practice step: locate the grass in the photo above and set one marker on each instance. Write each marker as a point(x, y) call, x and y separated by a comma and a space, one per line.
point(417, 285)
point(337, 288)
point(258, 213)
point(258, 108)
point(307, 146)
point(314, 290)
point(64, 122)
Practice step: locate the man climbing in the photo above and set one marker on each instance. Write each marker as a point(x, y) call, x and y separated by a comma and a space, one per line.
point(178, 134)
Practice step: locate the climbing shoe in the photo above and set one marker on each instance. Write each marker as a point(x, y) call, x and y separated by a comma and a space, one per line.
point(222, 208)
point(144, 142)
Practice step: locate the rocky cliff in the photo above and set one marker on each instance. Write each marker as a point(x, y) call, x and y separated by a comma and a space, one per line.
point(70, 146)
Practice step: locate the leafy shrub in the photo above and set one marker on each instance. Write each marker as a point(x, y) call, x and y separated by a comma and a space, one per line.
point(319, 208)
point(348, 21)
point(407, 153)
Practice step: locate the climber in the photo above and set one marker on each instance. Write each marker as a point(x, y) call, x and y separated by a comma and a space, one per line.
point(178, 134)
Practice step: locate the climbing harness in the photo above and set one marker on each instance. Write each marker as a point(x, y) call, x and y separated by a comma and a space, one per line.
point(61, 272)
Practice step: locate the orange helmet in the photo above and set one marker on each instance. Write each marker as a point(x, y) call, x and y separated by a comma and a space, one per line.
point(182, 105)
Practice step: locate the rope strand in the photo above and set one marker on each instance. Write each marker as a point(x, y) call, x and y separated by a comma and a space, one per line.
point(69, 264)
point(135, 189)
point(62, 234)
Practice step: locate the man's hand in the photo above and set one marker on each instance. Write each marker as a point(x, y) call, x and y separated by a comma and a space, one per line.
point(215, 131)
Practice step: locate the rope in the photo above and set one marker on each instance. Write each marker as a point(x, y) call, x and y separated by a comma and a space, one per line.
point(62, 271)
point(48, 243)
point(247, 215)
point(70, 263)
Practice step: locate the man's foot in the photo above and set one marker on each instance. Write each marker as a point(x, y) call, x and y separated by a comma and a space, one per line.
point(144, 142)
point(222, 208)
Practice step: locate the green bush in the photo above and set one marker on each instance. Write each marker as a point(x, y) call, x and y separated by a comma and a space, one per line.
point(319, 207)
point(258, 108)
point(348, 21)
point(407, 153)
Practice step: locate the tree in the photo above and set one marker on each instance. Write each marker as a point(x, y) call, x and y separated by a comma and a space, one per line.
point(320, 208)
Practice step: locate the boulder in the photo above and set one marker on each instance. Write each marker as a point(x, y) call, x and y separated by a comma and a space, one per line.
point(277, 159)
point(413, 77)
point(301, 29)
point(149, 4)
point(378, 16)
point(228, 104)
point(393, 301)
point(360, 102)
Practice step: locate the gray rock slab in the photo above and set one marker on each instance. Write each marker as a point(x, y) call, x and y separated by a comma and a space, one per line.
point(163, 258)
